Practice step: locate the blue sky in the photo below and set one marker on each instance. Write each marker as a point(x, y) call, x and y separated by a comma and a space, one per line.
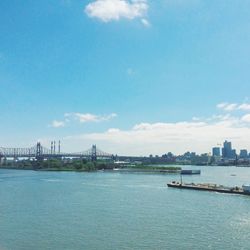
point(134, 77)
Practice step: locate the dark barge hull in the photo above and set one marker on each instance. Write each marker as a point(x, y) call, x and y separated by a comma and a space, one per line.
point(210, 189)
point(190, 171)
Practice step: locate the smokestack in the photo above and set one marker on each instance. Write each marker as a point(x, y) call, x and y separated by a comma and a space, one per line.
point(54, 147)
point(51, 147)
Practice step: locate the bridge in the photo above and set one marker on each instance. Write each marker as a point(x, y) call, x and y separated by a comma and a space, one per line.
point(40, 152)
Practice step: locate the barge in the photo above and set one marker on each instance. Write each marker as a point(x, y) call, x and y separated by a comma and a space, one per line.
point(244, 190)
point(190, 171)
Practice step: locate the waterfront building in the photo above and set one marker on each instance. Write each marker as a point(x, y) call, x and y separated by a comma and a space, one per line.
point(233, 153)
point(216, 151)
point(227, 151)
point(243, 153)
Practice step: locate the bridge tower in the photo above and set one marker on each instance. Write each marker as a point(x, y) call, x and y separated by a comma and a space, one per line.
point(38, 151)
point(93, 153)
point(15, 155)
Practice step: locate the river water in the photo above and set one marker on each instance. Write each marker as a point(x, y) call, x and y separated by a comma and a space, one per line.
point(108, 210)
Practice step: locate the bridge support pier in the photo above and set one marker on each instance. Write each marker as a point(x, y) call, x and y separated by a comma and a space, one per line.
point(3, 160)
point(93, 153)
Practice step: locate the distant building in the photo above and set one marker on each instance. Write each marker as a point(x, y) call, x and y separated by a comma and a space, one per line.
point(243, 153)
point(216, 151)
point(193, 154)
point(233, 153)
point(227, 151)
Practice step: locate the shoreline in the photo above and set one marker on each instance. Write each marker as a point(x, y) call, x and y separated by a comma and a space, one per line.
point(139, 169)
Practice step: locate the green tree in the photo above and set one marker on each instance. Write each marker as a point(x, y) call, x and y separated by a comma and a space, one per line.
point(89, 166)
point(78, 165)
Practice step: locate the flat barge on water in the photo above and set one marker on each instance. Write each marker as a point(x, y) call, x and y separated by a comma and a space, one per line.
point(244, 190)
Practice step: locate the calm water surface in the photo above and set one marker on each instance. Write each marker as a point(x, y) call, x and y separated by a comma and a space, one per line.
point(66, 210)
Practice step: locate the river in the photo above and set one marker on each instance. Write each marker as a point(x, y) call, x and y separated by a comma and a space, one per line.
point(109, 210)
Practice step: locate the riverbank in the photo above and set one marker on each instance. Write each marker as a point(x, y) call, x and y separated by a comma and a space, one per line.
point(87, 166)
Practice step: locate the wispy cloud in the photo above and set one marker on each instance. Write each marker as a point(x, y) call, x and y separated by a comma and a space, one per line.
point(234, 106)
point(87, 117)
point(246, 118)
point(82, 118)
point(227, 106)
point(57, 124)
point(110, 10)
point(145, 22)
point(244, 106)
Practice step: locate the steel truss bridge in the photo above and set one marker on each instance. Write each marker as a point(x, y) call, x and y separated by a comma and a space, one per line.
point(39, 152)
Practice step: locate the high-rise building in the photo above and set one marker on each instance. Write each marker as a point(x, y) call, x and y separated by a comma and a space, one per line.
point(233, 153)
point(227, 151)
point(243, 153)
point(216, 151)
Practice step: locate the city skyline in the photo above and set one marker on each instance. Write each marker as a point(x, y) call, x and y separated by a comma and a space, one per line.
point(140, 78)
point(221, 151)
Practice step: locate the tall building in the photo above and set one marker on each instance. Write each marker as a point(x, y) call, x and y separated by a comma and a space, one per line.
point(227, 151)
point(243, 153)
point(216, 151)
point(233, 153)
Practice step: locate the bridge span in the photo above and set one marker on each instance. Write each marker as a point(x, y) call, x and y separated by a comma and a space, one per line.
point(40, 152)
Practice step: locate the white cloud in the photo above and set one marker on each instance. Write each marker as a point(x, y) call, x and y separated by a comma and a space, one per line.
point(87, 117)
point(144, 138)
point(244, 106)
point(227, 106)
point(57, 124)
point(222, 105)
point(178, 137)
point(145, 22)
point(246, 118)
point(109, 10)
point(82, 118)
point(233, 106)
point(195, 118)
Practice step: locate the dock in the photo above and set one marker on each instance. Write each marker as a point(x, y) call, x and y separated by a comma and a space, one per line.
point(209, 187)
